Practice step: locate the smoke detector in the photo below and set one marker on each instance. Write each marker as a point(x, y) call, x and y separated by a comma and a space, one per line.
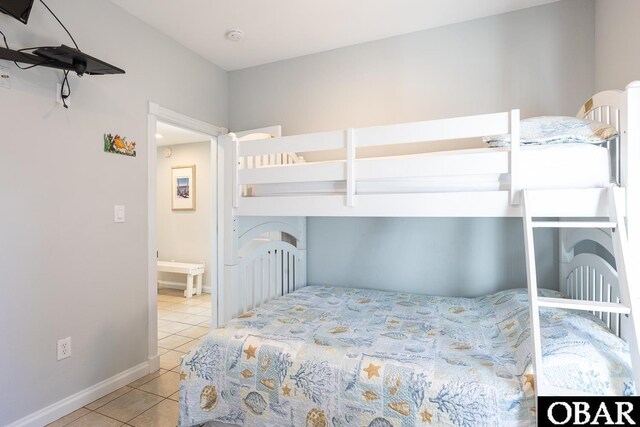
point(235, 35)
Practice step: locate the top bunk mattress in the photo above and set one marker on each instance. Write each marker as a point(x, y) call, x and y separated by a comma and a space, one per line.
point(347, 357)
point(554, 166)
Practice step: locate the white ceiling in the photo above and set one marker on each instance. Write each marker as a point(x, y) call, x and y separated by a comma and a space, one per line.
point(283, 29)
point(172, 135)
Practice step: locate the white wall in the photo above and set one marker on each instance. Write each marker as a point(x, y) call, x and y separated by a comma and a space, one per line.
point(67, 269)
point(617, 61)
point(184, 236)
point(539, 60)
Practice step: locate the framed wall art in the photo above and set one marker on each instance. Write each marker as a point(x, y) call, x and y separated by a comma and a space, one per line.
point(183, 188)
point(119, 145)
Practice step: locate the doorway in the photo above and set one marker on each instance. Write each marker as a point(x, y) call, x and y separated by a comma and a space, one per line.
point(182, 162)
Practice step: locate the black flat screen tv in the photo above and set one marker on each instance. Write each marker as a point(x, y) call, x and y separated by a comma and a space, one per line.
point(19, 9)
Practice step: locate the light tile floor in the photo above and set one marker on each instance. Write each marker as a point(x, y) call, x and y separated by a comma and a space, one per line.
point(153, 399)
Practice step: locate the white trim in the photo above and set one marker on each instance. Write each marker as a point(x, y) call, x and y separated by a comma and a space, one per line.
point(158, 113)
point(152, 273)
point(178, 119)
point(154, 363)
point(69, 404)
point(221, 218)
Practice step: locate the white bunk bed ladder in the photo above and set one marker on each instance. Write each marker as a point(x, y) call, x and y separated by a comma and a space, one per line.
point(628, 296)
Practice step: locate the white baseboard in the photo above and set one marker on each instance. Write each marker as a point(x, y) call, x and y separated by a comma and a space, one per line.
point(69, 404)
point(154, 363)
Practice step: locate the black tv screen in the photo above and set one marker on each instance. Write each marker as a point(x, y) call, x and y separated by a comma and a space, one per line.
point(19, 9)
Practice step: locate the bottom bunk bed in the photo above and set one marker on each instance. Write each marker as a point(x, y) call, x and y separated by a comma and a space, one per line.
point(325, 356)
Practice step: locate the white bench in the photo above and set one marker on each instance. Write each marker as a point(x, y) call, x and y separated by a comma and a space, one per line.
point(191, 270)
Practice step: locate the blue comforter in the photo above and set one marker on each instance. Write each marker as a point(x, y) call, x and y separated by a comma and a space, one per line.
point(325, 356)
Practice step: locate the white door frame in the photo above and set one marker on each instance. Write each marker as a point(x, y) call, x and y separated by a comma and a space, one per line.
point(158, 113)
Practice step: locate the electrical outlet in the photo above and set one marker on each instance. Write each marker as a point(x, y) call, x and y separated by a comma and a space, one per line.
point(64, 348)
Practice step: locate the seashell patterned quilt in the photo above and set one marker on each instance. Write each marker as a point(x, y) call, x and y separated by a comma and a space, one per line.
point(332, 357)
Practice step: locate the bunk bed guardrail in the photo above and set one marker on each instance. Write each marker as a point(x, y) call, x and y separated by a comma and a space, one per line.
point(350, 168)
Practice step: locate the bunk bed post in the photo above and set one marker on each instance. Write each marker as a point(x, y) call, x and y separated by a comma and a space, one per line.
point(301, 266)
point(566, 255)
point(229, 230)
point(630, 156)
point(351, 159)
point(629, 177)
point(626, 270)
point(514, 156)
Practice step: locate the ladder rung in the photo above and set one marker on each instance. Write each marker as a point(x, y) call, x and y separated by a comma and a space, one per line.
point(573, 224)
point(572, 304)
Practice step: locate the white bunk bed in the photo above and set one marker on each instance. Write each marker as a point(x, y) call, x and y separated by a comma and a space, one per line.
point(264, 254)
point(475, 183)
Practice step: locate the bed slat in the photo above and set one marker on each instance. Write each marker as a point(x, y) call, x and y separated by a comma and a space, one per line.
point(592, 279)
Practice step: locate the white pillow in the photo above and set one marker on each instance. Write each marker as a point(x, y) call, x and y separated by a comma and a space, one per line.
point(557, 130)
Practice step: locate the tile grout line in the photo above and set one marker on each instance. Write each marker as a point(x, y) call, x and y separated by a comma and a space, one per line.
point(95, 412)
point(109, 401)
point(153, 406)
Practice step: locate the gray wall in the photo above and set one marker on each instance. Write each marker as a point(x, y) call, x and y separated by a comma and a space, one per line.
point(67, 269)
point(439, 256)
point(184, 236)
point(617, 61)
point(539, 60)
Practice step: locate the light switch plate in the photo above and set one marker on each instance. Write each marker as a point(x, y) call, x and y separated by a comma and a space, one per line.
point(118, 213)
point(5, 78)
